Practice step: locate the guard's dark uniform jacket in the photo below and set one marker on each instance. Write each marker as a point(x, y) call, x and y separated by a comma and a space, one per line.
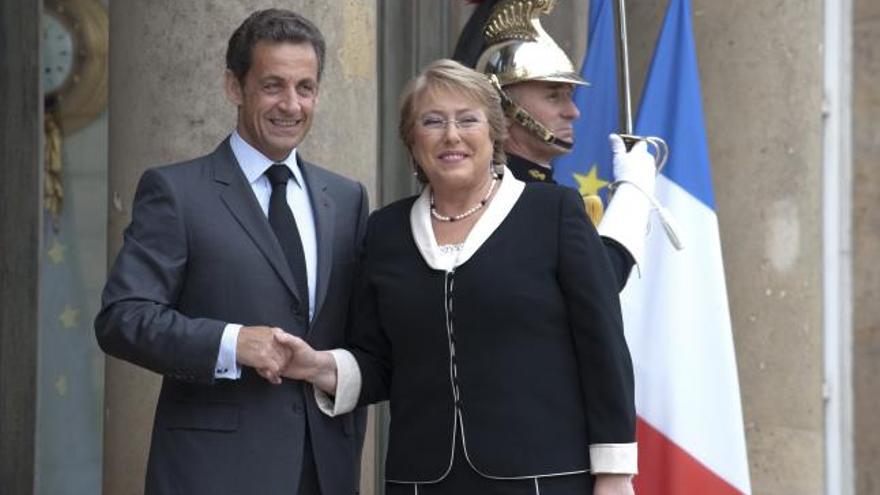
point(621, 260)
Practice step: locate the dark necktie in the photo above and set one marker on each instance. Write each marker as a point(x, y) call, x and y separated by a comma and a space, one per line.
point(284, 224)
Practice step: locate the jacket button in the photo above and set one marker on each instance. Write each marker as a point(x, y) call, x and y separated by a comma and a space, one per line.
point(297, 408)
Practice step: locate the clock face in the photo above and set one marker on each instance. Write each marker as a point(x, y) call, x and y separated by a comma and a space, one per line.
point(58, 53)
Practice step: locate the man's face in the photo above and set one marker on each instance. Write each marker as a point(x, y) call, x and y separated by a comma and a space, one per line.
point(551, 104)
point(277, 98)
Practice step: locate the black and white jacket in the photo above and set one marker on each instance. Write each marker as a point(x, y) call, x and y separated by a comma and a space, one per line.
point(515, 341)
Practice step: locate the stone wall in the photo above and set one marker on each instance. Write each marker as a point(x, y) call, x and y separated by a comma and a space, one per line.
point(866, 242)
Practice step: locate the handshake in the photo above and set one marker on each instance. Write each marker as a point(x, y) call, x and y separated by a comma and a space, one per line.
point(276, 354)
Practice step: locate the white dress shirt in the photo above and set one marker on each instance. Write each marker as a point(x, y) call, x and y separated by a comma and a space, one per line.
point(254, 165)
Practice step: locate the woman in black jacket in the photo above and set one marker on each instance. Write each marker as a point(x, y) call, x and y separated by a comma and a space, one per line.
point(487, 313)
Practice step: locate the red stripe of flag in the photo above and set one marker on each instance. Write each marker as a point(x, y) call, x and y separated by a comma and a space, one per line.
point(667, 469)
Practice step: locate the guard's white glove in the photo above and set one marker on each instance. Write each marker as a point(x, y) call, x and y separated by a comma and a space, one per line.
point(626, 217)
point(636, 166)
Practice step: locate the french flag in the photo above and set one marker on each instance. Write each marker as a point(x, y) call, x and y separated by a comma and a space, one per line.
point(676, 315)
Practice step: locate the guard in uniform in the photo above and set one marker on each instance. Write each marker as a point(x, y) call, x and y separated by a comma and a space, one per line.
point(536, 79)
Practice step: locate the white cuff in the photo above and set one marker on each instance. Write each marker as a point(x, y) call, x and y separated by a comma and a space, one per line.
point(227, 368)
point(348, 386)
point(614, 458)
point(626, 220)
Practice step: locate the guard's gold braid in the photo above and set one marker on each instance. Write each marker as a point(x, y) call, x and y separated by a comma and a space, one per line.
point(595, 208)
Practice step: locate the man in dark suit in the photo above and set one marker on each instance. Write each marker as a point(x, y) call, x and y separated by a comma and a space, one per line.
point(225, 252)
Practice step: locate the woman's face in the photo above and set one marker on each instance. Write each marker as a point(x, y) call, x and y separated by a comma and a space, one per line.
point(451, 142)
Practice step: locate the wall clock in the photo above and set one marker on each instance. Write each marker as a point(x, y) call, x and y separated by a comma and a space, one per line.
point(74, 75)
point(75, 39)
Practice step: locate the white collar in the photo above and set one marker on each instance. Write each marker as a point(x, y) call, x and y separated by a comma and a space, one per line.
point(254, 164)
point(420, 221)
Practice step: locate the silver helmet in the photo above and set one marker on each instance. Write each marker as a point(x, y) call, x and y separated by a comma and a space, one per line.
point(519, 50)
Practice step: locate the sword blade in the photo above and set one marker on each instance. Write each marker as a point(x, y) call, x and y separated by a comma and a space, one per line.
point(623, 68)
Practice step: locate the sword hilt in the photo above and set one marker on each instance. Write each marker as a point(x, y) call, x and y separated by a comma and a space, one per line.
point(661, 149)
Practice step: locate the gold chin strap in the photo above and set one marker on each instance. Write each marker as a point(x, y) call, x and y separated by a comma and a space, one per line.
point(522, 117)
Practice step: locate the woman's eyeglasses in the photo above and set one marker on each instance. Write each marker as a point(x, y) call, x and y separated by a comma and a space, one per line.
point(437, 124)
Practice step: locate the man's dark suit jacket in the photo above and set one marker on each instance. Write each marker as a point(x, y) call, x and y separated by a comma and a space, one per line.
point(199, 254)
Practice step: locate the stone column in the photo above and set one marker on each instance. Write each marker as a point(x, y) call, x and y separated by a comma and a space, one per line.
point(167, 104)
point(866, 242)
point(21, 129)
point(761, 72)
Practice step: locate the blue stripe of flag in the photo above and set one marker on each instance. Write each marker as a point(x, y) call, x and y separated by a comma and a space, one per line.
point(672, 108)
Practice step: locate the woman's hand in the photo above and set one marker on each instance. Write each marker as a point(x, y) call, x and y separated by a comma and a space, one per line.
point(613, 484)
point(307, 364)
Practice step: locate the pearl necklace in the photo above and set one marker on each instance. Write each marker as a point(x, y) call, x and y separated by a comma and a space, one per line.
point(474, 209)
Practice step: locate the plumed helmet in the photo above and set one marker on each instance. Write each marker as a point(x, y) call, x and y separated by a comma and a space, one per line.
point(518, 49)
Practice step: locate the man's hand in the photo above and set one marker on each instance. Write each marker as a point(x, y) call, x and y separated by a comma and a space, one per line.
point(613, 484)
point(305, 363)
point(258, 348)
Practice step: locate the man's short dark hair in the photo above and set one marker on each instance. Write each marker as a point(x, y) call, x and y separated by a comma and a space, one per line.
point(274, 25)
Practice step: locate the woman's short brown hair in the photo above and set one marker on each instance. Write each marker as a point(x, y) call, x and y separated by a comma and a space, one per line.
point(449, 75)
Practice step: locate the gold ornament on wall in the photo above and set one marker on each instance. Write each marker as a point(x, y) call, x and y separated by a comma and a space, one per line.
point(75, 51)
point(53, 190)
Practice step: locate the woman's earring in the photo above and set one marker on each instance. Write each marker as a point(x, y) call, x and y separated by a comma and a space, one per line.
point(497, 169)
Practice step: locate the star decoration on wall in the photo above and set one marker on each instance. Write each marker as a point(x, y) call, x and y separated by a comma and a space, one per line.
point(69, 317)
point(56, 252)
point(590, 183)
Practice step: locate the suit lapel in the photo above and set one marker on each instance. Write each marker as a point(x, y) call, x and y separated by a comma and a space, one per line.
point(324, 209)
point(238, 196)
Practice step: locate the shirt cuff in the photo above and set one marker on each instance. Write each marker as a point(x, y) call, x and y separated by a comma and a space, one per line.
point(348, 386)
point(614, 458)
point(626, 220)
point(227, 368)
